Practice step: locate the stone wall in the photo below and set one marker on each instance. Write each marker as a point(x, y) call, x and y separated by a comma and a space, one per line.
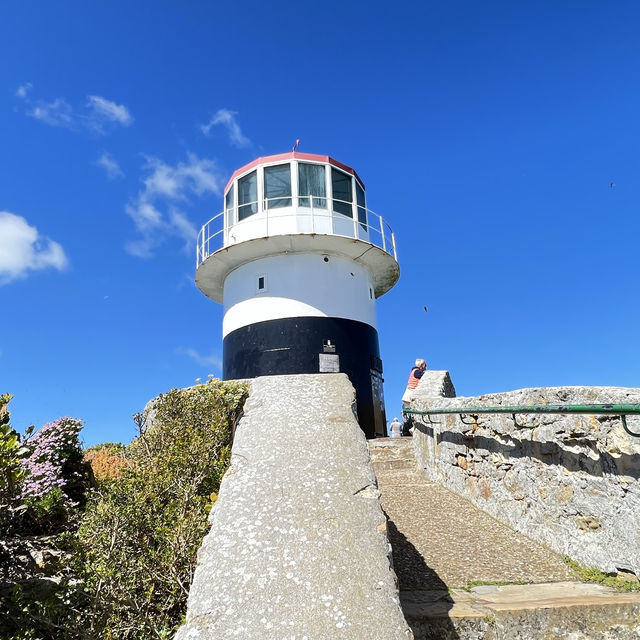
point(572, 482)
point(298, 546)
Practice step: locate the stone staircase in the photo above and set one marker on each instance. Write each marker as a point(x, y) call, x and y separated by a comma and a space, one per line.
point(464, 575)
point(392, 454)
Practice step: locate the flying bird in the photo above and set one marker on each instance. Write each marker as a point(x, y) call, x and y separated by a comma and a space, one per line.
point(611, 185)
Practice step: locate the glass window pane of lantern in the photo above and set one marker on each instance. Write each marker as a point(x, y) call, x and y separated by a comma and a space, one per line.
point(342, 197)
point(311, 182)
point(362, 211)
point(229, 206)
point(277, 185)
point(247, 196)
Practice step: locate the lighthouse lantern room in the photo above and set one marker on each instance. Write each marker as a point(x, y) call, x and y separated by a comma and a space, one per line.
point(297, 260)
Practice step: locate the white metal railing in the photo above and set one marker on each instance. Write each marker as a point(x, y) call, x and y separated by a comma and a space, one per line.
point(310, 217)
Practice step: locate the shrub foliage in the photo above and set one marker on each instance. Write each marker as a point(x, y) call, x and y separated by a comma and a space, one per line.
point(107, 461)
point(142, 530)
point(56, 477)
point(131, 545)
point(11, 471)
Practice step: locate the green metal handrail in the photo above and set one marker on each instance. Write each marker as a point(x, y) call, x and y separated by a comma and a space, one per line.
point(621, 410)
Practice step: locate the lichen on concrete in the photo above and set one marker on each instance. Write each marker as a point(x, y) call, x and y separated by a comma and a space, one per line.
point(297, 547)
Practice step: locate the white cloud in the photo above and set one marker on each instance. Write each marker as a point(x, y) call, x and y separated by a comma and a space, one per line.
point(23, 249)
point(110, 165)
point(143, 247)
point(164, 185)
point(227, 119)
point(56, 114)
point(106, 110)
point(96, 115)
point(183, 226)
point(198, 176)
point(212, 360)
point(163, 181)
point(144, 214)
point(23, 89)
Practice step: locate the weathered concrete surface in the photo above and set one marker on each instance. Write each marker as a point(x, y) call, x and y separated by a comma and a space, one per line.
point(572, 482)
point(297, 547)
point(441, 541)
point(567, 610)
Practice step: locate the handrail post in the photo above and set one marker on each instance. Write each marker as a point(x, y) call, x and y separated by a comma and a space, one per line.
point(393, 242)
point(384, 244)
point(354, 213)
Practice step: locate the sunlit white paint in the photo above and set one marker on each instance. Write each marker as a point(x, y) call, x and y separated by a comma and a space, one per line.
point(298, 285)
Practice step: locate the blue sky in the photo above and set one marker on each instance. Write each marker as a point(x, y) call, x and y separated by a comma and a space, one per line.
point(487, 134)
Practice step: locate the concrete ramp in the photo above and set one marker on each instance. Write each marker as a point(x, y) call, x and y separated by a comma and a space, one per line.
point(298, 546)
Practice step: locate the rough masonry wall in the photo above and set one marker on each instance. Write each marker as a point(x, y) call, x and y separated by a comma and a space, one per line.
point(572, 482)
point(298, 546)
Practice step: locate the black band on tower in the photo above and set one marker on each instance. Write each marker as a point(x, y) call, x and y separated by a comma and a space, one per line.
point(310, 345)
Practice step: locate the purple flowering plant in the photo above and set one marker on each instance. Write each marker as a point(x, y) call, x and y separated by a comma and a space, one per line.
point(54, 461)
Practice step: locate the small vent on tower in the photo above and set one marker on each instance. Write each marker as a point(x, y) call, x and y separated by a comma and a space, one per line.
point(261, 284)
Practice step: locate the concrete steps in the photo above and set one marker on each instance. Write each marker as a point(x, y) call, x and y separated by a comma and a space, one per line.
point(392, 454)
point(443, 546)
point(569, 610)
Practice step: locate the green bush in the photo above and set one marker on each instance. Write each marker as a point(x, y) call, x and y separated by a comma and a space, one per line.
point(141, 532)
point(35, 606)
point(129, 553)
point(44, 611)
point(11, 471)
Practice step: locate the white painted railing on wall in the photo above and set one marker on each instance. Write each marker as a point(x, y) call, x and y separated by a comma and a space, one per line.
point(271, 221)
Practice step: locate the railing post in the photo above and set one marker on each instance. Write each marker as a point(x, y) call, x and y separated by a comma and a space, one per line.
point(354, 214)
point(313, 218)
point(393, 242)
point(384, 244)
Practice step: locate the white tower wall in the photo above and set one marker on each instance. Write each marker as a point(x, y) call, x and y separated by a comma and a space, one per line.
point(298, 285)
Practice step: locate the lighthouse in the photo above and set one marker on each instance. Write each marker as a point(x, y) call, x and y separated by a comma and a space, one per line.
point(298, 260)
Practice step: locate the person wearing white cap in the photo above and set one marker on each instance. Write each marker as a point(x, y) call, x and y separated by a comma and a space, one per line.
point(395, 428)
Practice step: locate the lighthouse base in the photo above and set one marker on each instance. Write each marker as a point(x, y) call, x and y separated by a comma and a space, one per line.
point(313, 345)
